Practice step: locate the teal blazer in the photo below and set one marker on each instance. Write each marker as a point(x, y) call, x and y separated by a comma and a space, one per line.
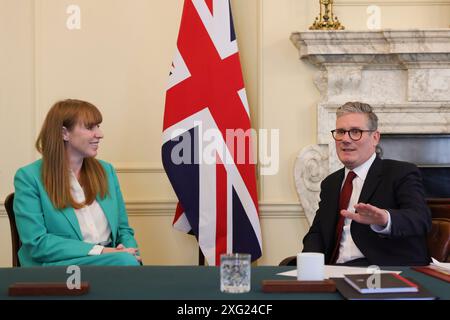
point(50, 235)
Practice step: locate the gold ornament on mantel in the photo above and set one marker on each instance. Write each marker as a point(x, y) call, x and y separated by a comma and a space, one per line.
point(326, 20)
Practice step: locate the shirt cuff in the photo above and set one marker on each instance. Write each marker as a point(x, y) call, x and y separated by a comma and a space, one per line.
point(96, 250)
point(380, 229)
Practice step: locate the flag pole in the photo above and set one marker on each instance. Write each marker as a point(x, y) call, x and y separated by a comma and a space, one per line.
point(201, 257)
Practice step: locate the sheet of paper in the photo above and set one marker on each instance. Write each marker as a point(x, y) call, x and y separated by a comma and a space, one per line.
point(442, 266)
point(339, 271)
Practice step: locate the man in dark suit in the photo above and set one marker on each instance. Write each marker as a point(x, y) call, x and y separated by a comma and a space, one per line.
point(372, 211)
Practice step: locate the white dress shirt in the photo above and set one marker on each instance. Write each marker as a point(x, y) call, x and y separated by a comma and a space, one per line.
point(348, 250)
point(92, 220)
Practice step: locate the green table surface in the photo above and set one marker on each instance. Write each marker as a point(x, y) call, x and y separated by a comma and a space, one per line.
point(178, 283)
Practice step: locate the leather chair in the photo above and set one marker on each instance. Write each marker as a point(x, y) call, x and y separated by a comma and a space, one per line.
point(15, 240)
point(289, 261)
point(438, 240)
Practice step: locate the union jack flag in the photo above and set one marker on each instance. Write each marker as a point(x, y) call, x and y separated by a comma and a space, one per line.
point(205, 101)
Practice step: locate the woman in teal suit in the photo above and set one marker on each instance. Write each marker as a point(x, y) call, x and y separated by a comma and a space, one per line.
point(68, 205)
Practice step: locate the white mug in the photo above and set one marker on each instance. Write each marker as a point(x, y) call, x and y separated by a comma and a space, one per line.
point(310, 266)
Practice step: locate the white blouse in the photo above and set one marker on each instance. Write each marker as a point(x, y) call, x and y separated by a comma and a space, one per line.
point(92, 220)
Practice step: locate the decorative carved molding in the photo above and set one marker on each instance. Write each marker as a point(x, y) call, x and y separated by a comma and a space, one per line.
point(167, 208)
point(321, 82)
point(151, 208)
point(157, 208)
point(311, 167)
point(399, 3)
point(278, 210)
point(138, 167)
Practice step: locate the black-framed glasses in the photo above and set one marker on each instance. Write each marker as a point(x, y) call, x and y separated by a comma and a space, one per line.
point(354, 134)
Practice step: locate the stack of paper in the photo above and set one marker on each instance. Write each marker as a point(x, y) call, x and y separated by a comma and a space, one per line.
point(440, 266)
point(340, 271)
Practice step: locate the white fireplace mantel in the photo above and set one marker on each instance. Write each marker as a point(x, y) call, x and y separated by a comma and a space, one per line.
point(403, 74)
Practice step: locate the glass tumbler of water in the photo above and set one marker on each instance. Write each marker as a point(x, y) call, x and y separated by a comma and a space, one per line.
point(235, 272)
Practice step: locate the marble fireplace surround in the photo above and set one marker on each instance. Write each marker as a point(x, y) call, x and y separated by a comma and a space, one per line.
point(403, 74)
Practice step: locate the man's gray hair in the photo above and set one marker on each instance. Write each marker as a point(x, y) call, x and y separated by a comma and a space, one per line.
point(359, 107)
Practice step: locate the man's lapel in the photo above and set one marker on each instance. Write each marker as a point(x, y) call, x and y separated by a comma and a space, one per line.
point(332, 210)
point(373, 178)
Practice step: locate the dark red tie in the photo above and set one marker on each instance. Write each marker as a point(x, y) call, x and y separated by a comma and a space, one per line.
point(344, 199)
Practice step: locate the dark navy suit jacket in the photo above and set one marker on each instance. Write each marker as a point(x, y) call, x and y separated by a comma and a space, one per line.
point(392, 185)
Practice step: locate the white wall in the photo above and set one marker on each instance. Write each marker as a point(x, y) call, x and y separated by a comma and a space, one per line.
point(120, 60)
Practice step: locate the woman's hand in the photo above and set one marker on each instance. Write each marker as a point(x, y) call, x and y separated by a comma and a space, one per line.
point(133, 251)
point(122, 248)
